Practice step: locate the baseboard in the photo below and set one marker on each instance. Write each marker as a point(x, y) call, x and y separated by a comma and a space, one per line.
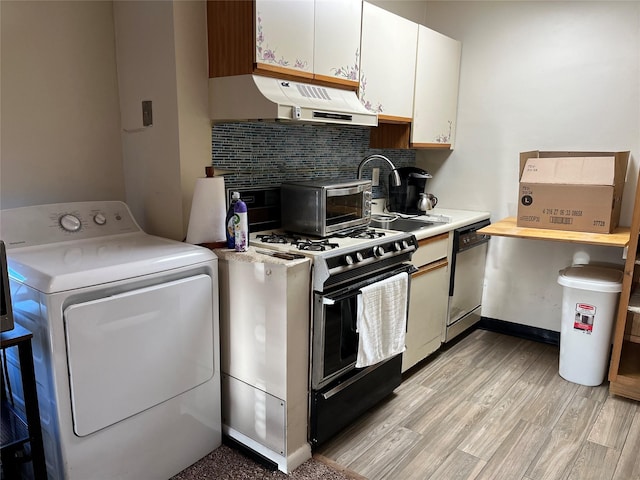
point(252, 454)
point(517, 330)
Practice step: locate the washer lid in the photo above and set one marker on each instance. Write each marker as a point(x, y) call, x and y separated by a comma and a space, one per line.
point(77, 264)
point(591, 277)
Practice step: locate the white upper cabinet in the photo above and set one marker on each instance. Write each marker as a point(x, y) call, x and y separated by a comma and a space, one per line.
point(436, 90)
point(299, 39)
point(337, 40)
point(285, 34)
point(387, 66)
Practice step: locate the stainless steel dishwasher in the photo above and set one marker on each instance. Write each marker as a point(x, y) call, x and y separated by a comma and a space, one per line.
point(467, 278)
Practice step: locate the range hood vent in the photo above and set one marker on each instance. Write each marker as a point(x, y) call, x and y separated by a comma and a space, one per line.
point(252, 97)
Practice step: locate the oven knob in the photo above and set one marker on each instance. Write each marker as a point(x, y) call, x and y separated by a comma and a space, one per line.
point(378, 251)
point(397, 246)
point(348, 259)
point(70, 223)
point(405, 244)
point(359, 256)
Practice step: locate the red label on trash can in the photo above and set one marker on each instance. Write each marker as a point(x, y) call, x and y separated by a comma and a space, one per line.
point(585, 315)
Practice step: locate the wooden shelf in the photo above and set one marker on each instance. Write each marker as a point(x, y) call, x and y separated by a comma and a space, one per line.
point(634, 302)
point(624, 370)
point(627, 381)
point(507, 228)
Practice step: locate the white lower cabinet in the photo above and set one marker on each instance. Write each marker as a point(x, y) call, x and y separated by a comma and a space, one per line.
point(428, 300)
point(264, 350)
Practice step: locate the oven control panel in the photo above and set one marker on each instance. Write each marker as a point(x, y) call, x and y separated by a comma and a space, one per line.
point(362, 255)
point(348, 264)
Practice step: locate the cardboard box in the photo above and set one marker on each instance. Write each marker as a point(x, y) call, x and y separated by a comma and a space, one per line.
point(577, 191)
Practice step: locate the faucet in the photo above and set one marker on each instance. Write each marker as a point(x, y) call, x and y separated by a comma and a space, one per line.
point(395, 178)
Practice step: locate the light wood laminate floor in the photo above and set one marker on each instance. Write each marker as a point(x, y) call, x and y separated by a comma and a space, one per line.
point(493, 407)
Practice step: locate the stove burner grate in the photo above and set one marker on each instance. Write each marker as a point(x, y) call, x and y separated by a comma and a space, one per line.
point(276, 238)
point(315, 245)
point(365, 232)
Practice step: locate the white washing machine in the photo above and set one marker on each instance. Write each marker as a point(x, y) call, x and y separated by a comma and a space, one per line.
point(126, 346)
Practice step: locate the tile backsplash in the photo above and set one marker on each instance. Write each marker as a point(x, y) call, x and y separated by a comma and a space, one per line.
point(268, 153)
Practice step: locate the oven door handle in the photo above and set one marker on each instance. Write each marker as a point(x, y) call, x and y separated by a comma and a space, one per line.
point(338, 388)
point(326, 300)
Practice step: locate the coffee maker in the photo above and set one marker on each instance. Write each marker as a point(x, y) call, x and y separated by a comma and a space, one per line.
point(406, 197)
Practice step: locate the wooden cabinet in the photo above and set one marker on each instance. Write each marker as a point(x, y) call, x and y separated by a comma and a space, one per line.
point(624, 371)
point(315, 41)
point(436, 90)
point(387, 66)
point(428, 300)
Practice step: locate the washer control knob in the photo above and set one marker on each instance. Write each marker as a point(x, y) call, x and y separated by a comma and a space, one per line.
point(100, 219)
point(348, 259)
point(70, 223)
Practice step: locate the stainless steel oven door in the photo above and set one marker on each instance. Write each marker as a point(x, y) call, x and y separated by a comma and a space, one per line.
point(334, 338)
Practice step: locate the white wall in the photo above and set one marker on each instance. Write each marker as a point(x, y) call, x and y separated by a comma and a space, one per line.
point(59, 104)
point(162, 57)
point(63, 91)
point(535, 75)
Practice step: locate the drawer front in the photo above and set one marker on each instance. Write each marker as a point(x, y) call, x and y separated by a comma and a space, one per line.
point(431, 249)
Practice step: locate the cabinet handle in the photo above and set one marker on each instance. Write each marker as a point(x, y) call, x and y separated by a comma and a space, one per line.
point(431, 267)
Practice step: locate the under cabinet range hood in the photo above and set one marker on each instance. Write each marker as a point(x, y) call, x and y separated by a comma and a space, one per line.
point(252, 97)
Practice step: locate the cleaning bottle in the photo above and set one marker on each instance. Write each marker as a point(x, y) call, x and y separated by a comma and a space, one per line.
point(241, 226)
point(229, 223)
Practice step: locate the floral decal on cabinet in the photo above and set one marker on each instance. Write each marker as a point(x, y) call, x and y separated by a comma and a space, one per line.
point(268, 55)
point(349, 72)
point(444, 138)
point(377, 108)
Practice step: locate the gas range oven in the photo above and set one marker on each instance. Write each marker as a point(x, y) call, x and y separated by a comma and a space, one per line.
point(344, 265)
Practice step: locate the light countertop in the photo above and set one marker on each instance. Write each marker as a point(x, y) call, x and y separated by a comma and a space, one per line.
point(458, 218)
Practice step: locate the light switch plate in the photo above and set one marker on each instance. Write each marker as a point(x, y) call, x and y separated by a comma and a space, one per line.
point(147, 113)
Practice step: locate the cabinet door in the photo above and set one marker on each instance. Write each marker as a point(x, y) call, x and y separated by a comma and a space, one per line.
point(427, 312)
point(436, 90)
point(387, 66)
point(337, 41)
point(284, 35)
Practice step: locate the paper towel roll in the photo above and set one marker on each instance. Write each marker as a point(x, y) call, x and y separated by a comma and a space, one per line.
point(208, 211)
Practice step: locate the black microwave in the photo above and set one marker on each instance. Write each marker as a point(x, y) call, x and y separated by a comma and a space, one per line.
point(6, 311)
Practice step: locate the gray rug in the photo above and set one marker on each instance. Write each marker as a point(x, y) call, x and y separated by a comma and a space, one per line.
point(226, 463)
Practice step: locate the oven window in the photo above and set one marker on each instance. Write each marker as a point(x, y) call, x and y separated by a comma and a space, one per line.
point(341, 339)
point(344, 208)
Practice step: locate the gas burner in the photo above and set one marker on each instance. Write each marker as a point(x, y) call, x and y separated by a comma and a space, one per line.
point(366, 233)
point(276, 238)
point(315, 245)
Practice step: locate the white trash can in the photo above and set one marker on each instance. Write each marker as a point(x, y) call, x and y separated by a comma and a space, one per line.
point(589, 304)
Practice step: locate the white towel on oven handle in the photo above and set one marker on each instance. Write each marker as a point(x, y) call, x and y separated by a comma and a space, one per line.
point(381, 319)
